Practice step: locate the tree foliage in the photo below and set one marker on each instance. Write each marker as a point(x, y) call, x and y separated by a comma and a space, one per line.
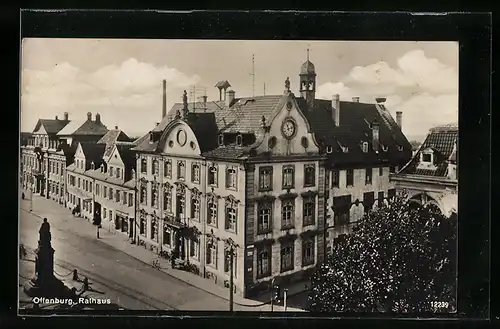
point(399, 258)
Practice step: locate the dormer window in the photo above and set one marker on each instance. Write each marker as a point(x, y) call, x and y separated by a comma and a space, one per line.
point(329, 149)
point(400, 148)
point(92, 165)
point(427, 159)
point(102, 168)
point(239, 140)
point(365, 147)
point(221, 139)
point(151, 137)
point(385, 148)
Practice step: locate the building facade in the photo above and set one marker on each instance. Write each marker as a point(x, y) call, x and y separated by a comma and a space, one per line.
point(256, 177)
point(431, 177)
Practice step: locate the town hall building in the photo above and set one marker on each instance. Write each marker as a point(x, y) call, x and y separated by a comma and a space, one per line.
point(267, 180)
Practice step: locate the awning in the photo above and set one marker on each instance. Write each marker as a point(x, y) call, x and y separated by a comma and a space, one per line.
point(121, 213)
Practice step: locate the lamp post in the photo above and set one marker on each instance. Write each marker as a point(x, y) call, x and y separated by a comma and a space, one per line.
point(230, 246)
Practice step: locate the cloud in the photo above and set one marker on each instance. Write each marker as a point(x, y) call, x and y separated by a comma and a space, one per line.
point(414, 69)
point(129, 86)
point(424, 89)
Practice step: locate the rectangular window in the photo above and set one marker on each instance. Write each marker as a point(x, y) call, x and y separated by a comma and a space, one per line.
point(154, 195)
point(130, 199)
point(308, 212)
point(117, 172)
point(110, 193)
point(167, 235)
point(368, 175)
point(105, 192)
point(194, 248)
point(308, 252)
point(111, 171)
point(78, 182)
point(426, 157)
point(230, 219)
point(263, 261)
point(264, 218)
point(143, 225)
point(124, 197)
point(335, 178)
point(153, 229)
point(90, 187)
point(144, 166)
point(231, 176)
point(167, 168)
point(391, 193)
point(117, 196)
point(156, 167)
point(212, 253)
point(167, 199)
point(212, 213)
point(287, 255)
point(110, 214)
point(195, 208)
point(143, 193)
point(287, 214)
point(227, 260)
point(104, 212)
point(195, 173)
point(181, 169)
point(212, 175)
point(288, 177)
point(309, 175)
point(368, 200)
point(350, 177)
point(381, 171)
point(265, 178)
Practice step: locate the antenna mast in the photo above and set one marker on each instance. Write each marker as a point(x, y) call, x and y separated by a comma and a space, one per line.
point(253, 75)
point(264, 89)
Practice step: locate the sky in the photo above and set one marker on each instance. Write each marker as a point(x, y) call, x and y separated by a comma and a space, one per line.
point(121, 79)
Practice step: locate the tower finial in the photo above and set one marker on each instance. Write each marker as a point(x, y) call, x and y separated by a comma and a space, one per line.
point(308, 53)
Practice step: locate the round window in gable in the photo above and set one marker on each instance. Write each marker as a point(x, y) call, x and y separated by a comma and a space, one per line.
point(171, 143)
point(272, 142)
point(304, 141)
point(329, 149)
point(289, 105)
point(193, 145)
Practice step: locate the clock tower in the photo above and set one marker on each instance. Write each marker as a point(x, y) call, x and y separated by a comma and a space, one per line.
point(308, 82)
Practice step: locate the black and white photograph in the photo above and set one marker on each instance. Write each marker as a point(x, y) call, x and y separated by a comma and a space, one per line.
point(238, 175)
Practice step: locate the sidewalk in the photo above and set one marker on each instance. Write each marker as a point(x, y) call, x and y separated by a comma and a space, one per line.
point(61, 218)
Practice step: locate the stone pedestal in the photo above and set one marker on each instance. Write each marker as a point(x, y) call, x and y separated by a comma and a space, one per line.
point(45, 284)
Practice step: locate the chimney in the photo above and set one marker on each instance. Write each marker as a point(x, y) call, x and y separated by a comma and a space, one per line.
point(399, 119)
point(229, 97)
point(116, 127)
point(89, 116)
point(164, 108)
point(97, 118)
point(375, 135)
point(66, 116)
point(57, 118)
point(336, 109)
point(380, 100)
point(156, 124)
point(355, 99)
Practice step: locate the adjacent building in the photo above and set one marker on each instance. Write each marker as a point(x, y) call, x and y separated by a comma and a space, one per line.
point(253, 177)
point(35, 155)
point(431, 177)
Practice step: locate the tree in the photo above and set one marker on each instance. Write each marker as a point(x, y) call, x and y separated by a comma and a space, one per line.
point(415, 145)
point(399, 258)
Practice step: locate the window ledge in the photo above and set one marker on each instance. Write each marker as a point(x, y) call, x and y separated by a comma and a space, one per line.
point(262, 232)
point(307, 263)
point(309, 185)
point(291, 187)
point(287, 227)
point(267, 189)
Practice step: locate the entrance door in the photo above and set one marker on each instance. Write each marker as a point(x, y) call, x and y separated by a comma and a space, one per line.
point(131, 228)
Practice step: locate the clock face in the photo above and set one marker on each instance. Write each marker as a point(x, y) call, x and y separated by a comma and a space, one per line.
point(181, 137)
point(288, 128)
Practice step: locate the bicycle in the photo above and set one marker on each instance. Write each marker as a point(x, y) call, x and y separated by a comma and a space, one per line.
point(156, 263)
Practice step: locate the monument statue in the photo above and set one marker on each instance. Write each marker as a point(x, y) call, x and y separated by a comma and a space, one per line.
point(45, 284)
point(287, 84)
point(45, 237)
